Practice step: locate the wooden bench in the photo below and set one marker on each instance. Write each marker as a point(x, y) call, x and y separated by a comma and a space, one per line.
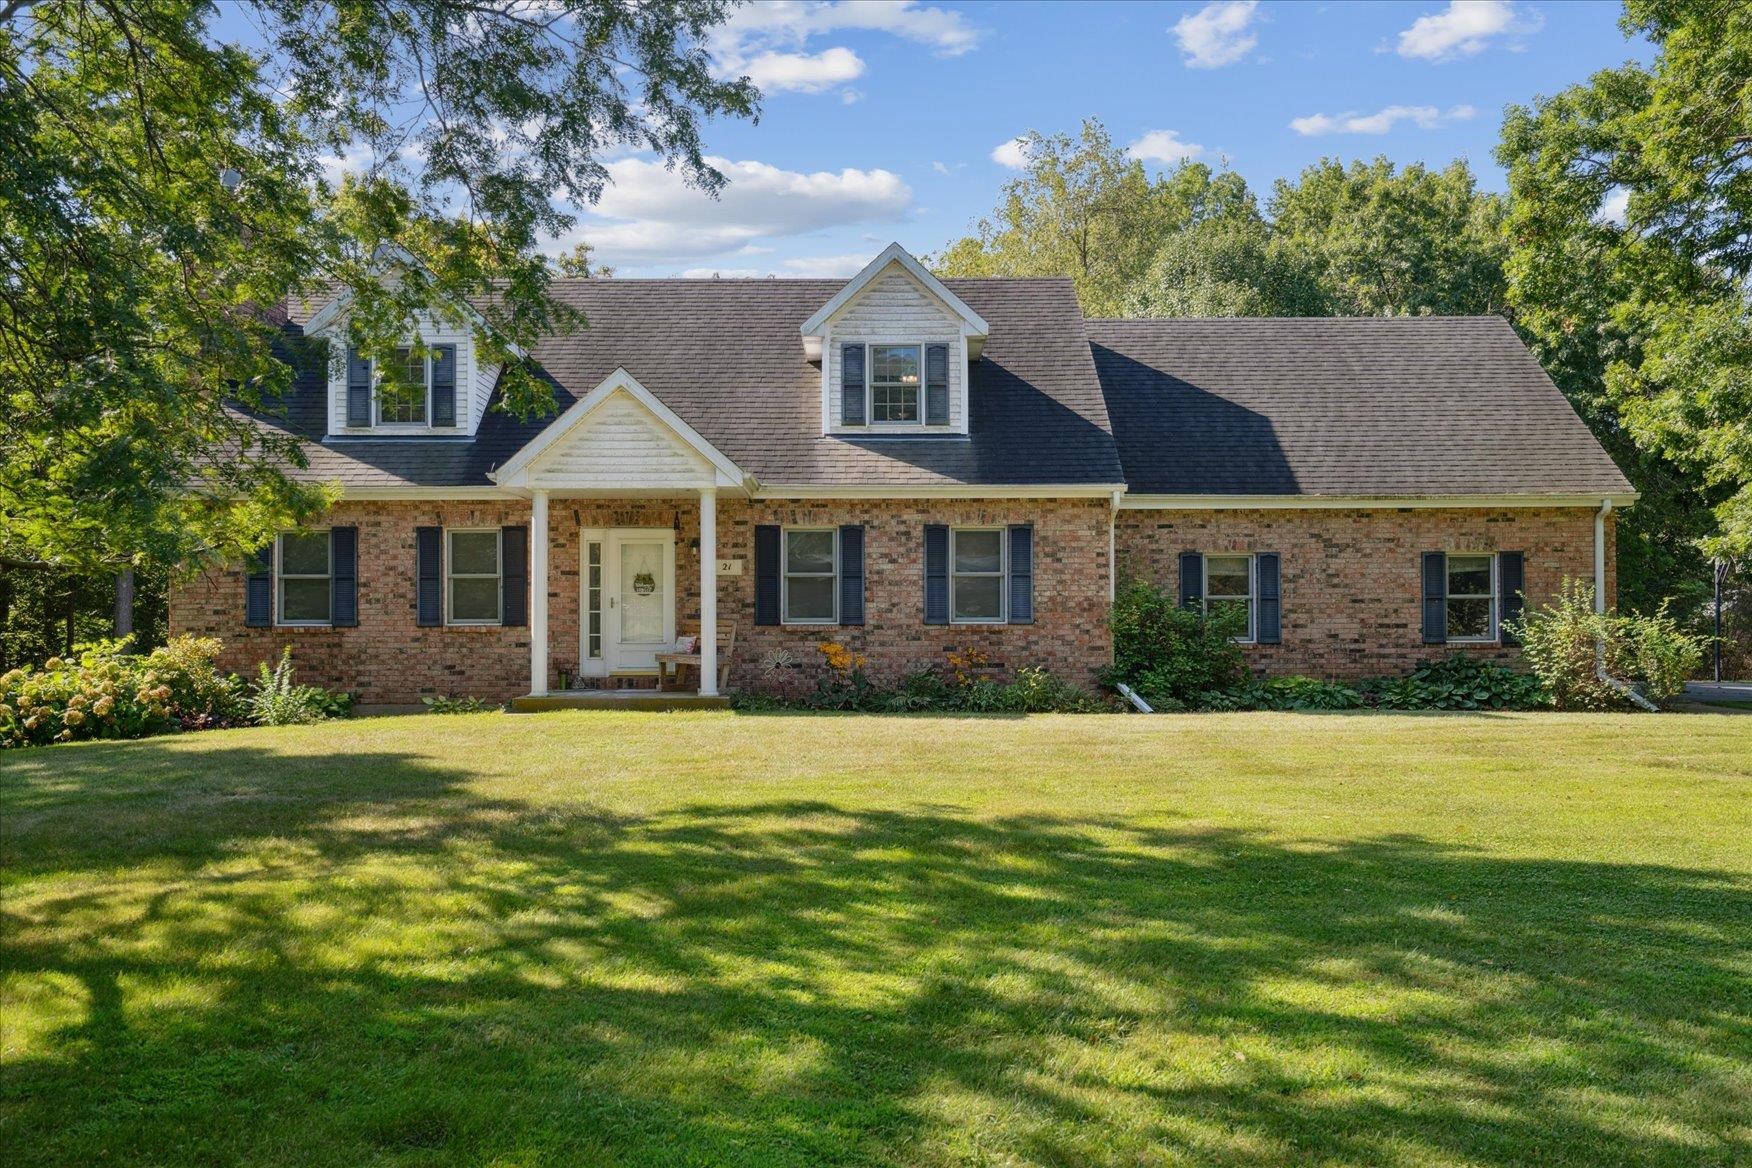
point(670, 665)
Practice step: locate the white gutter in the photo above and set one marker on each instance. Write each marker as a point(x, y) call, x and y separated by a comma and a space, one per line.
point(1140, 502)
point(1600, 607)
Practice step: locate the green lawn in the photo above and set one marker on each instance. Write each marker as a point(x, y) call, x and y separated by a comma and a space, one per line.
point(788, 940)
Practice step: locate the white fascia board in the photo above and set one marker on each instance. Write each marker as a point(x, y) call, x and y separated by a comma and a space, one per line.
point(515, 471)
point(972, 323)
point(1133, 502)
point(936, 491)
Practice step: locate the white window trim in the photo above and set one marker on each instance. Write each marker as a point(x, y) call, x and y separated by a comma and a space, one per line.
point(1003, 574)
point(280, 577)
point(785, 577)
point(377, 399)
point(499, 576)
point(594, 612)
point(1252, 598)
point(1494, 632)
point(870, 382)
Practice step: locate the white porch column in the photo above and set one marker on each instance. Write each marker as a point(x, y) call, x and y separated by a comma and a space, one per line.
point(538, 595)
point(708, 592)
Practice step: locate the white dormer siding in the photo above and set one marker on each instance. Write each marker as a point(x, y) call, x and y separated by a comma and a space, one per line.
point(474, 383)
point(895, 309)
point(621, 444)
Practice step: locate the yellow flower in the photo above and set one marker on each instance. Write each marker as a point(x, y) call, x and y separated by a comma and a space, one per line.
point(73, 717)
point(103, 706)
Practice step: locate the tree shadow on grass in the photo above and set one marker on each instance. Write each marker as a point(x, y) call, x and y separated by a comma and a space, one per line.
point(340, 960)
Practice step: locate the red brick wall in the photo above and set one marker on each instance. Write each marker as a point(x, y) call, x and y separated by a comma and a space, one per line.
point(1351, 578)
point(389, 659)
point(1069, 635)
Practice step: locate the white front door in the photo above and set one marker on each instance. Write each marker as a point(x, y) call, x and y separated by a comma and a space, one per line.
point(639, 587)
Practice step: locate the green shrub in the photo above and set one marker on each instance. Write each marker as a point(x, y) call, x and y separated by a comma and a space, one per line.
point(107, 693)
point(1563, 642)
point(276, 699)
point(1172, 656)
point(201, 697)
point(468, 705)
point(1655, 651)
point(1459, 683)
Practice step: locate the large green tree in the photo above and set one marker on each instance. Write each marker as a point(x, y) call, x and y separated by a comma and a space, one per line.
point(1631, 226)
point(1086, 209)
point(161, 190)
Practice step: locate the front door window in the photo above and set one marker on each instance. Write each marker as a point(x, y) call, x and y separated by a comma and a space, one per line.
point(643, 601)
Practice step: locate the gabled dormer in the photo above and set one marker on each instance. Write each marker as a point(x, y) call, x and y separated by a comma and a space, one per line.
point(894, 346)
point(439, 389)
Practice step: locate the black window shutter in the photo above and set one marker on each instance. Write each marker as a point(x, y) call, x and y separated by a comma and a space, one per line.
point(1511, 580)
point(1022, 574)
point(258, 589)
point(344, 577)
point(937, 385)
point(1268, 605)
point(936, 574)
point(358, 389)
point(444, 385)
point(1435, 598)
point(766, 574)
point(851, 569)
point(851, 385)
point(514, 576)
point(429, 558)
point(1191, 579)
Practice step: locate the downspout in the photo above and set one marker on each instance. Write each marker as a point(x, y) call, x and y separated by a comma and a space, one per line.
point(1600, 607)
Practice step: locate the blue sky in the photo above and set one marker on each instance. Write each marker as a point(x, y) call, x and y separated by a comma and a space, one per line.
point(887, 120)
point(881, 120)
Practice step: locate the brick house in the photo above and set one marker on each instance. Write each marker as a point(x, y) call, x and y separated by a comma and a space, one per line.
point(908, 466)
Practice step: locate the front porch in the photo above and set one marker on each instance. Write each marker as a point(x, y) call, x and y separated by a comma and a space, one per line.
point(625, 493)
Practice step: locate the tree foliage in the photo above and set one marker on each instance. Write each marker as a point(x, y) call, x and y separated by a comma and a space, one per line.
point(1643, 314)
point(1083, 208)
point(161, 191)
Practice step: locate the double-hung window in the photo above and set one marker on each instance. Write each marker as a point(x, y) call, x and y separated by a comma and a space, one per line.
point(896, 375)
point(1471, 597)
point(810, 595)
point(473, 579)
point(404, 391)
point(1229, 587)
point(304, 570)
point(976, 575)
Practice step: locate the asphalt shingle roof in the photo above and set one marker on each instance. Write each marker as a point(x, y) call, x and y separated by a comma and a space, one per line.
point(727, 357)
point(1314, 406)
point(1341, 406)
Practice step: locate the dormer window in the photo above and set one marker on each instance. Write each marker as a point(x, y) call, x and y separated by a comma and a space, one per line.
point(894, 385)
point(894, 382)
point(418, 391)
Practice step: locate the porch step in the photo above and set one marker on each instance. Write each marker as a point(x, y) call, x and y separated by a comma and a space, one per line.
point(618, 699)
point(614, 682)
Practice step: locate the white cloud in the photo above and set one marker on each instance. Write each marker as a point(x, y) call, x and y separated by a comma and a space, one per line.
point(1425, 117)
point(1216, 35)
point(804, 72)
point(826, 267)
point(767, 42)
point(1163, 146)
point(1013, 154)
point(1615, 208)
point(648, 215)
point(793, 22)
point(1465, 28)
point(940, 168)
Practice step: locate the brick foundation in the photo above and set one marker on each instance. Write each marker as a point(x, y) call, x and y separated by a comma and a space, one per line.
point(1351, 578)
